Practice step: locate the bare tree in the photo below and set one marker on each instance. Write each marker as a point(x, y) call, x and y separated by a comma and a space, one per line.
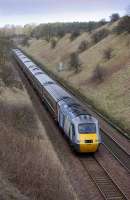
point(53, 43)
point(98, 74)
point(83, 46)
point(114, 17)
point(75, 62)
point(128, 10)
point(107, 53)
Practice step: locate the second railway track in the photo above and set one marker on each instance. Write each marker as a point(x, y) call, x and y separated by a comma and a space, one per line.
point(114, 142)
point(122, 156)
point(118, 150)
point(121, 151)
point(105, 184)
point(101, 179)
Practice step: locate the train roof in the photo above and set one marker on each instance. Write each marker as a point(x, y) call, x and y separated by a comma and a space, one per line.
point(57, 92)
point(39, 74)
point(68, 104)
point(75, 111)
point(30, 64)
point(34, 69)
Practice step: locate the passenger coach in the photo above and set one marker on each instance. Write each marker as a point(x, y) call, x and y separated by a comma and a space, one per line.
point(81, 128)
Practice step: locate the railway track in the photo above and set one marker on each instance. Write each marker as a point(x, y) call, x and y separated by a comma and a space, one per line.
point(107, 188)
point(119, 153)
point(118, 150)
point(113, 142)
point(108, 140)
point(102, 180)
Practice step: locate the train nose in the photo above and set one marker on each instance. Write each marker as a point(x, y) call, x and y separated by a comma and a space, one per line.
point(88, 142)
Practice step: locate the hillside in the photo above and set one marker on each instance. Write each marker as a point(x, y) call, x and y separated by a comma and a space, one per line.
point(27, 155)
point(111, 95)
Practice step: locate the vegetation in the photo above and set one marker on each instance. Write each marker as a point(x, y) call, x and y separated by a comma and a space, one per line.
point(8, 77)
point(25, 41)
point(5, 44)
point(123, 25)
point(113, 74)
point(107, 53)
point(99, 35)
point(114, 17)
point(75, 62)
point(53, 43)
point(60, 33)
point(27, 158)
point(24, 161)
point(83, 46)
point(47, 31)
point(74, 35)
point(98, 74)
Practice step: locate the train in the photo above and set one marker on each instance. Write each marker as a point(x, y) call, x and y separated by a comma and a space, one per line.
point(81, 129)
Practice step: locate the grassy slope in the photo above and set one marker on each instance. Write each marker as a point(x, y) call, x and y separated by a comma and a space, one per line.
point(112, 96)
point(27, 157)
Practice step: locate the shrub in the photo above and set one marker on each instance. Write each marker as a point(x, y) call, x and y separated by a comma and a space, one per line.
point(74, 35)
point(128, 43)
point(20, 117)
point(83, 46)
point(107, 53)
point(25, 41)
point(98, 74)
point(98, 36)
point(114, 17)
point(75, 62)
point(61, 33)
point(26, 161)
point(8, 77)
point(102, 22)
point(53, 43)
point(123, 25)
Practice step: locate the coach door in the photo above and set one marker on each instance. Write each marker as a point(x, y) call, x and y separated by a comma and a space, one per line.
point(72, 132)
point(61, 119)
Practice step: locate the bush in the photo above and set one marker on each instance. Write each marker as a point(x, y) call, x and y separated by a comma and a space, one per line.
point(83, 46)
point(98, 74)
point(20, 117)
point(8, 76)
point(53, 43)
point(25, 41)
point(102, 22)
point(5, 44)
point(98, 36)
point(107, 53)
point(123, 25)
point(114, 17)
point(74, 35)
point(61, 33)
point(75, 62)
point(26, 161)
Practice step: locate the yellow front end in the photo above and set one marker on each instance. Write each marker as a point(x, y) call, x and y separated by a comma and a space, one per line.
point(89, 142)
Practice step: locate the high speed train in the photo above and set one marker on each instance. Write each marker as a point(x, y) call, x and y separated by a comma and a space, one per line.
point(81, 128)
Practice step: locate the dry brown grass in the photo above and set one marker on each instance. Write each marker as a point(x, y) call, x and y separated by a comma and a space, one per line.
point(20, 117)
point(9, 77)
point(25, 159)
